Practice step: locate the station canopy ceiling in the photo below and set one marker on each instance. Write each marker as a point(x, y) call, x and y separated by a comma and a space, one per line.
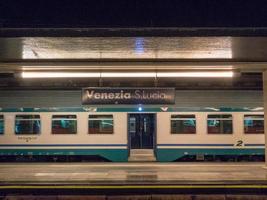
point(241, 49)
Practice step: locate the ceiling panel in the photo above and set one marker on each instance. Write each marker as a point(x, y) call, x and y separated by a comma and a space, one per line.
point(161, 52)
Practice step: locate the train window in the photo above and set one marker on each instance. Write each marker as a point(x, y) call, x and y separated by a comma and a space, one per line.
point(64, 124)
point(27, 124)
point(254, 124)
point(132, 125)
point(1, 124)
point(220, 124)
point(183, 124)
point(100, 124)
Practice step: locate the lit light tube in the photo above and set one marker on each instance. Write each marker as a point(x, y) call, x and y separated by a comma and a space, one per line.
point(128, 74)
point(60, 75)
point(218, 74)
point(221, 74)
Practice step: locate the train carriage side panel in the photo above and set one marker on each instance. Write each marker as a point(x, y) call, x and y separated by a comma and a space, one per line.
point(110, 146)
point(171, 147)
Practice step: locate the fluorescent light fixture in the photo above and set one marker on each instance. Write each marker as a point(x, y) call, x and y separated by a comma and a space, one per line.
point(60, 75)
point(217, 74)
point(196, 74)
point(181, 66)
point(128, 74)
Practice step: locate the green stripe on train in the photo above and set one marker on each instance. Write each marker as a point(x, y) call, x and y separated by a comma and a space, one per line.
point(121, 155)
point(116, 155)
point(168, 155)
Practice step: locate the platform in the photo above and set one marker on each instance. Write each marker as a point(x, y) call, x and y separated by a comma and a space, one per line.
point(132, 173)
point(136, 176)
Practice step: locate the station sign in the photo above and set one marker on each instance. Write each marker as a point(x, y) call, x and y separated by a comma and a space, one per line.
point(93, 95)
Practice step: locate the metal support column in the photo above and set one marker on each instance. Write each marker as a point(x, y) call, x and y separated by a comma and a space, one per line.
point(265, 110)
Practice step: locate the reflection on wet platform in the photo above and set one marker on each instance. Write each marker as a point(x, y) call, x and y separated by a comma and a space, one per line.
point(133, 173)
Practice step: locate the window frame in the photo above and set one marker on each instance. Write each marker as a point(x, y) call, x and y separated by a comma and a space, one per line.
point(98, 119)
point(181, 119)
point(38, 119)
point(223, 119)
point(244, 124)
point(70, 119)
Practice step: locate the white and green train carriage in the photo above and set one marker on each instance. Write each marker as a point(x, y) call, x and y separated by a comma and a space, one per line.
point(201, 125)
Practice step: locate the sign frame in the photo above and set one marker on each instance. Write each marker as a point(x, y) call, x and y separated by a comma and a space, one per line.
point(128, 95)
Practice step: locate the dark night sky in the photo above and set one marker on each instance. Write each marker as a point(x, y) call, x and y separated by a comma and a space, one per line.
point(133, 13)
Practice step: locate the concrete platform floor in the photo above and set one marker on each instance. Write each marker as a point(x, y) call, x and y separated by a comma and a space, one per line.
point(133, 173)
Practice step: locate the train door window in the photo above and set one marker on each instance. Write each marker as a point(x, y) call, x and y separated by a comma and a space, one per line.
point(254, 124)
point(132, 127)
point(64, 124)
point(27, 124)
point(100, 124)
point(1, 124)
point(220, 124)
point(183, 124)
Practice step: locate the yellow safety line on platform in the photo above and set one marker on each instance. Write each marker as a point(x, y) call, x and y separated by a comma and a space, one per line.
point(134, 187)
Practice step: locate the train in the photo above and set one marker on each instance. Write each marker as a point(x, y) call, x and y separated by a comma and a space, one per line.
point(110, 133)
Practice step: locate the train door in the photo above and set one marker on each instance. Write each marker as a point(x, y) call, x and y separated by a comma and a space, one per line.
point(141, 131)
